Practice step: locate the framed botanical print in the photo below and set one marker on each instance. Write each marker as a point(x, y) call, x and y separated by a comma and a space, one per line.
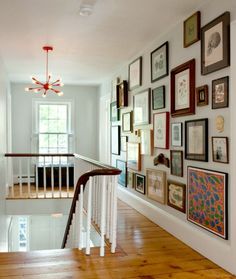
point(122, 94)
point(196, 140)
point(160, 62)
point(123, 143)
point(183, 89)
point(133, 156)
point(140, 183)
point(135, 74)
point(176, 195)
point(176, 162)
point(158, 98)
point(207, 200)
point(115, 140)
point(142, 108)
point(215, 44)
point(161, 129)
point(122, 179)
point(192, 26)
point(130, 179)
point(202, 95)
point(114, 112)
point(156, 185)
point(146, 137)
point(127, 122)
point(177, 134)
point(220, 151)
point(220, 93)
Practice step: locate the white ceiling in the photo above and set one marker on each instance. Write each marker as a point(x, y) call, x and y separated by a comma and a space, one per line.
point(86, 49)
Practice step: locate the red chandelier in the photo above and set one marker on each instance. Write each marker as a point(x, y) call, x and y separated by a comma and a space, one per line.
point(48, 85)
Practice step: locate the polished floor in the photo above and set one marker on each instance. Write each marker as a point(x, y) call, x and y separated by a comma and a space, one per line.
point(145, 251)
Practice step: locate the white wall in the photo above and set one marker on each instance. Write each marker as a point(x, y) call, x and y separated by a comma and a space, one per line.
point(217, 249)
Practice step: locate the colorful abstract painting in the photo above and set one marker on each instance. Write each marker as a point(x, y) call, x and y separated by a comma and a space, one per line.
point(207, 200)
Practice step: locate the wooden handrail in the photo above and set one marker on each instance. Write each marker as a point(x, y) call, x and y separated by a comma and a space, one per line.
point(82, 181)
point(39, 155)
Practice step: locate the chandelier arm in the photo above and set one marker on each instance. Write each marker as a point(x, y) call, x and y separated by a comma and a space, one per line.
point(56, 91)
point(32, 88)
point(55, 82)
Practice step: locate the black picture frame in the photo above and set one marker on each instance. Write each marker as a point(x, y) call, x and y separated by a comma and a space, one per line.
point(220, 93)
point(115, 140)
point(127, 122)
point(114, 112)
point(177, 134)
point(176, 163)
point(158, 98)
point(220, 150)
point(140, 183)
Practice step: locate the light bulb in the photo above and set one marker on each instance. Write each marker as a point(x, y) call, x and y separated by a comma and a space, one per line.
point(60, 93)
point(26, 88)
point(44, 95)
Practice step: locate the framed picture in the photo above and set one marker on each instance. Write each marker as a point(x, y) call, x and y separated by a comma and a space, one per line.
point(220, 151)
point(159, 62)
point(156, 185)
point(133, 156)
point(220, 93)
point(142, 108)
point(177, 134)
point(121, 165)
point(158, 98)
point(202, 95)
point(135, 74)
point(207, 200)
point(127, 122)
point(192, 26)
point(183, 89)
point(215, 44)
point(176, 195)
point(123, 143)
point(146, 137)
point(140, 183)
point(196, 140)
point(176, 162)
point(161, 129)
point(122, 94)
point(130, 178)
point(115, 140)
point(114, 112)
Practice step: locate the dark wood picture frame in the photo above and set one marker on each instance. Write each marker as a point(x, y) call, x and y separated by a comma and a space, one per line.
point(171, 185)
point(129, 120)
point(202, 95)
point(219, 155)
point(158, 96)
point(216, 46)
point(189, 107)
point(114, 112)
point(196, 143)
point(115, 140)
point(220, 93)
point(141, 178)
point(135, 73)
point(157, 61)
point(176, 163)
point(141, 101)
point(122, 94)
point(122, 178)
point(193, 25)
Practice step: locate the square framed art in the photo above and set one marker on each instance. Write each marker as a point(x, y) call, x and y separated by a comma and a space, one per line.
point(202, 95)
point(133, 156)
point(140, 183)
point(156, 185)
point(127, 122)
point(122, 94)
point(176, 162)
point(161, 129)
point(142, 108)
point(135, 73)
point(192, 26)
point(115, 140)
point(176, 195)
point(177, 134)
point(122, 179)
point(220, 152)
point(158, 98)
point(220, 93)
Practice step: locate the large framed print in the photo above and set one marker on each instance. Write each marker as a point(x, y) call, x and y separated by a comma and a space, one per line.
point(114, 112)
point(160, 62)
point(177, 134)
point(192, 26)
point(220, 151)
point(158, 98)
point(115, 140)
point(133, 156)
point(127, 122)
point(176, 162)
point(196, 140)
point(122, 94)
point(215, 44)
point(161, 129)
point(176, 195)
point(140, 183)
point(135, 74)
point(146, 137)
point(207, 200)
point(220, 93)
point(156, 185)
point(142, 108)
point(183, 89)
point(122, 178)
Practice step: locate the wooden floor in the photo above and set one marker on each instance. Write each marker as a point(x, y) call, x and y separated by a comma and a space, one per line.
point(145, 251)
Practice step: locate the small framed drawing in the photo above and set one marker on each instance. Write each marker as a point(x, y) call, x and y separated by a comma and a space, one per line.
point(176, 162)
point(130, 179)
point(202, 95)
point(122, 94)
point(146, 137)
point(183, 89)
point(161, 129)
point(220, 151)
point(176, 195)
point(114, 112)
point(160, 62)
point(207, 200)
point(215, 44)
point(220, 93)
point(156, 185)
point(140, 183)
point(133, 156)
point(192, 26)
point(127, 122)
point(196, 140)
point(115, 140)
point(142, 108)
point(135, 74)
point(122, 179)
point(177, 134)
point(158, 98)
point(123, 143)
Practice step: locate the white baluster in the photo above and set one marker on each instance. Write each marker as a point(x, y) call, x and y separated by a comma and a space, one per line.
point(52, 177)
point(108, 207)
point(114, 215)
point(77, 224)
point(44, 178)
point(103, 215)
point(36, 179)
point(81, 201)
point(12, 182)
point(20, 176)
point(88, 227)
point(28, 175)
point(60, 176)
